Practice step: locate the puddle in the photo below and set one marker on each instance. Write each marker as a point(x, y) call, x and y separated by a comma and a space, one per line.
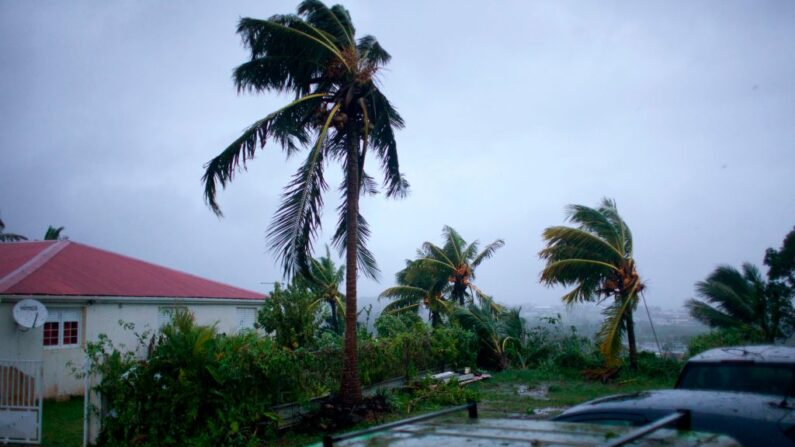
point(540, 392)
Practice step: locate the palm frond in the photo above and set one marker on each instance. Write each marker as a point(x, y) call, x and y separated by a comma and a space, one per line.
point(730, 291)
point(710, 315)
point(344, 17)
point(594, 221)
point(320, 16)
point(453, 245)
point(400, 306)
point(11, 237)
point(565, 242)
point(404, 292)
point(610, 210)
point(586, 291)
point(365, 258)
point(288, 34)
point(436, 255)
point(487, 252)
point(297, 220)
point(385, 119)
point(371, 51)
point(287, 126)
point(572, 271)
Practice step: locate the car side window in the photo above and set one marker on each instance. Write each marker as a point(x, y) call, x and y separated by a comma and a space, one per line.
point(763, 378)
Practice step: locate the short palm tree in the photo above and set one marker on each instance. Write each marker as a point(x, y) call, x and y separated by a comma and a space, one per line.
point(9, 237)
point(495, 328)
point(455, 263)
point(324, 281)
point(596, 258)
point(339, 114)
point(54, 234)
point(418, 287)
point(731, 298)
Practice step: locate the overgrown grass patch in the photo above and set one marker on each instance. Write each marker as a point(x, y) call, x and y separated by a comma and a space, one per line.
point(502, 396)
point(63, 423)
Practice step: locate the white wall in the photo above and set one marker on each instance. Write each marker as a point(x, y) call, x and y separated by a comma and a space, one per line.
point(14, 343)
point(100, 318)
point(104, 319)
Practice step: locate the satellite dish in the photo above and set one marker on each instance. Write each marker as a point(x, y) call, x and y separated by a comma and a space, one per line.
point(30, 314)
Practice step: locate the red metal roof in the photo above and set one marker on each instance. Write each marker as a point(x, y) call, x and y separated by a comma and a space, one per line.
point(73, 269)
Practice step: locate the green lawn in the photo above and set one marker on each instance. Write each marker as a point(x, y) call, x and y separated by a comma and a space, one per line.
point(519, 393)
point(63, 423)
point(512, 394)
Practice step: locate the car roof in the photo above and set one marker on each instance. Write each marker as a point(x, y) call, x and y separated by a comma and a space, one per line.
point(758, 354)
point(747, 405)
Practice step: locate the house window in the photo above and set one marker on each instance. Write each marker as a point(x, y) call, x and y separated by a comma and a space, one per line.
point(62, 328)
point(51, 333)
point(246, 316)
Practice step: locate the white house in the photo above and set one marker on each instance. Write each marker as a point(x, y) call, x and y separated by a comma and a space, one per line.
point(87, 291)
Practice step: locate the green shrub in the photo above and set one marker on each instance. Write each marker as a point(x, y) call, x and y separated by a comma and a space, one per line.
point(653, 366)
point(718, 338)
point(292, 315)
point(199, 388)
point(389, 325)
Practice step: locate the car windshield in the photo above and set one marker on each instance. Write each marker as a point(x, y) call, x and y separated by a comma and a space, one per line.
point(758, 378)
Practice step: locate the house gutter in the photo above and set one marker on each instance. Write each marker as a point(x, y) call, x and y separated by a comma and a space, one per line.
point(91, 300)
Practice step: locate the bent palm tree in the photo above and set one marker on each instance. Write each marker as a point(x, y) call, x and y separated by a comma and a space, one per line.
point(338, 114)
point(734, 299)
point(596, 258)
point(455, 263)
point(418, 287)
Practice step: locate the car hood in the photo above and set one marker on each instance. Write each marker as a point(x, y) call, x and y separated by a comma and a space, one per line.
point(746, 405)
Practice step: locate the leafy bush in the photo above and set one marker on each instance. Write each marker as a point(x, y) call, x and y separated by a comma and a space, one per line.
point(292, 315)
point(550, 347)
point(199, 388)
point(389, 325)
point(652, 365)
point(718, 338)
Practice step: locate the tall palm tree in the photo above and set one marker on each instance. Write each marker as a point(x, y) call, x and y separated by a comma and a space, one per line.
point(455, 263)
point(738, 299)
point(596, 257)
point(54, 234)
point(419, 287)
point(9, 237)
point(324, 281)
point(338, 114)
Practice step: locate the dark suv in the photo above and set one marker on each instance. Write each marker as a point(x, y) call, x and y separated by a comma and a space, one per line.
point(749, 369)
point(743, 392)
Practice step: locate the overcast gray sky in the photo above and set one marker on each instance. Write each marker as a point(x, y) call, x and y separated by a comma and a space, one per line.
point(683, 112)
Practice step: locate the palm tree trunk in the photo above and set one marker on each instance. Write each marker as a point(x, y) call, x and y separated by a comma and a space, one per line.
point(436, 319)
point(633, 349)
point(335, 323)
point(350, 388)
point(459, 291)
